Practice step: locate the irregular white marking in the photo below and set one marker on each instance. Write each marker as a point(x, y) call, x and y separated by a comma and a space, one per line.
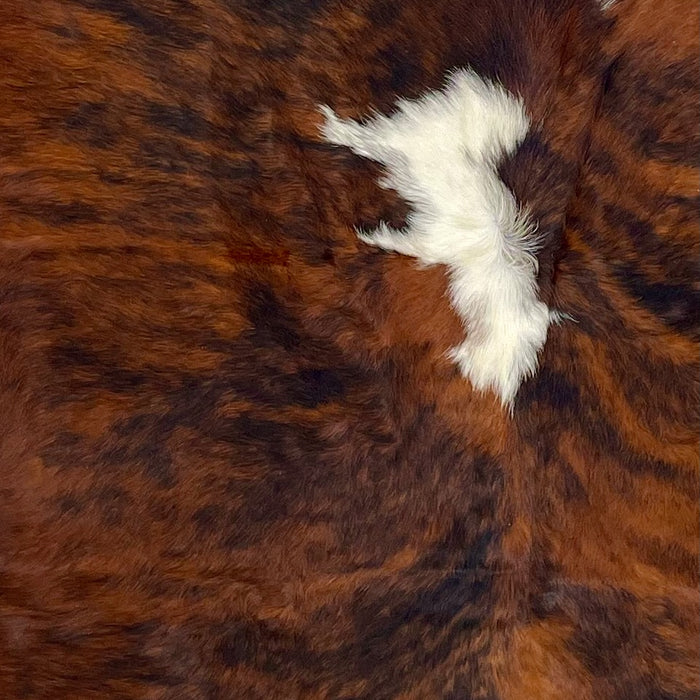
point(441, 154)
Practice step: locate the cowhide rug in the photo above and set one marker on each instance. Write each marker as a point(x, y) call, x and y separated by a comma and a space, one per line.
point(349, 350)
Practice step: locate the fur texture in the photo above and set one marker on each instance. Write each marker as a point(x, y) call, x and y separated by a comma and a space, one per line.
point(235, 461)
point(442, 153)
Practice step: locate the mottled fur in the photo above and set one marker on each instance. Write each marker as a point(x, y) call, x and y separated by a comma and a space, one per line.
point(236, 462)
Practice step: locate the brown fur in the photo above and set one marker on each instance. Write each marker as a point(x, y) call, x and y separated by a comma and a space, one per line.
point(235, 461)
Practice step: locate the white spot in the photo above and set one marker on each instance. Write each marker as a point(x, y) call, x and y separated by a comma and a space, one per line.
point(441, 154)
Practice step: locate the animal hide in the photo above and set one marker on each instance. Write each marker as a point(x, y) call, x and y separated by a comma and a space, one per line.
point(241, 457)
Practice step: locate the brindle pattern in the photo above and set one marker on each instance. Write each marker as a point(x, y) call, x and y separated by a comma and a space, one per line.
point(235, 461)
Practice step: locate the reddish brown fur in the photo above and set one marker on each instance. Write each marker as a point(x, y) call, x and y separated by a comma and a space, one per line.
point(236, 463)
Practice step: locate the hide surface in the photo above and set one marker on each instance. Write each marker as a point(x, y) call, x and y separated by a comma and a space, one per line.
point(235, 461)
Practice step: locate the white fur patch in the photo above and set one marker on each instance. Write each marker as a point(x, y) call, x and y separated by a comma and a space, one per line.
point(441, 154)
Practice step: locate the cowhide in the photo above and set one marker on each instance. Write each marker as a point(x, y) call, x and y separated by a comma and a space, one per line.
point(237, 459)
